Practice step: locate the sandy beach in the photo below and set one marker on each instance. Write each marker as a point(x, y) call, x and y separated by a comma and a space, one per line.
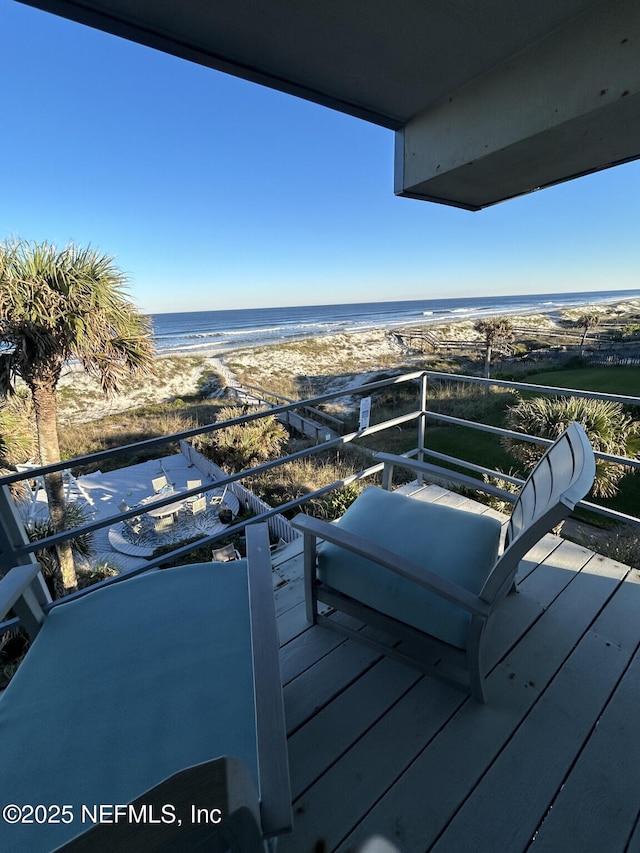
point(298, 368)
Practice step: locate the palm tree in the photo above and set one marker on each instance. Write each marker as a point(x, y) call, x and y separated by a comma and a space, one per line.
point(609, 430)
point(588, 320)
point(496, 331)
point(57, 305)
point(18, 439)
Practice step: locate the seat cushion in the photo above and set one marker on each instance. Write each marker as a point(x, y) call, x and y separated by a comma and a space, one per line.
point(458, 545)
point(124, 687)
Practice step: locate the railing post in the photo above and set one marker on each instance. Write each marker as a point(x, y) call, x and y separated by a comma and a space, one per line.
point(422, 422)
point(12, 536)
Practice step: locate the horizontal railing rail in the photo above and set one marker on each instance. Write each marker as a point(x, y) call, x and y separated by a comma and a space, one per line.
point(532, 439)
point(152, 443)
point(527, 386)
point(19, 551)
point(92, 526)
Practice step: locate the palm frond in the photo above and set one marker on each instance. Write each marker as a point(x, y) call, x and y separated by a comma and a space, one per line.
point(57, 305)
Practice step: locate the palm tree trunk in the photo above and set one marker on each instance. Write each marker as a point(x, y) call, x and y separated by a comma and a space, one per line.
point(584, 338)
point(44, 401)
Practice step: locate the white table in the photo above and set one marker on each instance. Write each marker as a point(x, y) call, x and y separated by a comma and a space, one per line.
point(161, 511)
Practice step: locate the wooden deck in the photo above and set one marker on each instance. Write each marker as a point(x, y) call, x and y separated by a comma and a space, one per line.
point(551, 763)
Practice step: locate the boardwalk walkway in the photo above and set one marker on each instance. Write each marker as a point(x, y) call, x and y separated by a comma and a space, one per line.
point(551, 763)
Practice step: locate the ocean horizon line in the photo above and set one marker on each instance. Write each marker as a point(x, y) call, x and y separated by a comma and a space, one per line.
point(232, 329)
point(369, 302)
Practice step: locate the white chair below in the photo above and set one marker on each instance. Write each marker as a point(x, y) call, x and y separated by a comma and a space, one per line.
point(163, 523)
point(218, 499)
point(197, 506)
point(225, 555)
point(161, 484)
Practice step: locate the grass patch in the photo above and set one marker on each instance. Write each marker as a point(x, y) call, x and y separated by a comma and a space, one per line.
point(481, 448)
point(149, 421)
point(301, 477)
point(607, 380)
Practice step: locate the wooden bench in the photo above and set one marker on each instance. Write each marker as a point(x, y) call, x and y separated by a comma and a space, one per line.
point(147, 714)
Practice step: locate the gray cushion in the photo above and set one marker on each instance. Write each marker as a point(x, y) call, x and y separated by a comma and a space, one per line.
point(461, 546)
point(123, 688)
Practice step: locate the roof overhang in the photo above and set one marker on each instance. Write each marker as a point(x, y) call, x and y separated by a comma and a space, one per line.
point(489, 100)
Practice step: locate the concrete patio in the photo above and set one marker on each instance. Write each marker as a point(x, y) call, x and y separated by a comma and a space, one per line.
point(102, 492)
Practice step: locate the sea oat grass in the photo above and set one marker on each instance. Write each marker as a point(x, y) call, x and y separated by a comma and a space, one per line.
point(133, 426)
point(301, 477)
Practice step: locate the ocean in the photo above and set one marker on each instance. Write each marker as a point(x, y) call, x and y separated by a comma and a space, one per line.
point(219, 331)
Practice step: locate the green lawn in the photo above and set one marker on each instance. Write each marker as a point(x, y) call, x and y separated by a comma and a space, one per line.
point(485, 449)
point(481, 448)
point(608, 380)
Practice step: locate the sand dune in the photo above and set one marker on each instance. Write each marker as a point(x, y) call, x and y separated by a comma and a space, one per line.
point(297, 368)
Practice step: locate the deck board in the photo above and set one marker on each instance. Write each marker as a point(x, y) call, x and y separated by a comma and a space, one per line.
point(606, 778)
point(378, 748)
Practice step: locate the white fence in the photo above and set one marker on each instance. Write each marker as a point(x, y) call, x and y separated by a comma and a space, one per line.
point(278, 524)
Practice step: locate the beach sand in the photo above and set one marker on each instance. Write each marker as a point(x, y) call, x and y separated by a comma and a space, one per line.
point(297, 369)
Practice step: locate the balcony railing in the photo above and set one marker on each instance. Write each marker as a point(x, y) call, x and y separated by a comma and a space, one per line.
point(16, 549)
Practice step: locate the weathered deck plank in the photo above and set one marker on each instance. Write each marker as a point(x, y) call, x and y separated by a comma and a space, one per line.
point(317, 686)
point(537, 758)
point(376, 748)
point(441, 778)
point(332, 731)
point(602, 789)
point(374, 762)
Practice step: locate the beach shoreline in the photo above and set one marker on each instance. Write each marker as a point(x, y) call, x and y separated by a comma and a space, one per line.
point(299, 366)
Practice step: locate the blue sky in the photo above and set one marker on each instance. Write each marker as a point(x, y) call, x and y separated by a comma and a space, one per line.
point(215, 193)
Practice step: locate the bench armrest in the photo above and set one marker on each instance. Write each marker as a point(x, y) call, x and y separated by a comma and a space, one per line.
point(275, 787)
point(17, 591)
point(390, 460)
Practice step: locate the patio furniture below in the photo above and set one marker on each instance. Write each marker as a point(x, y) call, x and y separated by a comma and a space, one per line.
point(147, 505)
point(217, 497)
point(164, 523)
point(429, 575)
point(150, 710)
point(197, 506)
point(161, 484)
point(133, 524)
point(192, 484)
point(225, 555)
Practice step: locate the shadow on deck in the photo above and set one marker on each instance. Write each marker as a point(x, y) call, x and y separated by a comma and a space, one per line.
point(551, 763)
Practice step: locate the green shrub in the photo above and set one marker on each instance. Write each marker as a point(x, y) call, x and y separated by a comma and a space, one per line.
point(200, 554)
point(81, 545)
point(97, 572)
point(495, 502)
point(607, 426)
point(301, 477)
point(241, 446)
point(335, 504)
